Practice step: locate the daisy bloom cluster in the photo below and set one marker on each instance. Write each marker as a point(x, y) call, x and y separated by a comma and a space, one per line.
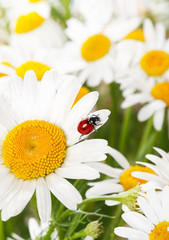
point(120, 180)
point(62, 174)
point(153, 223)
point(148, 76)
point(40, 146)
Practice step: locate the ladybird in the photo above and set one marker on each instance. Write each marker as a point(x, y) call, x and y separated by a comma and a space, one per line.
point(87, 125)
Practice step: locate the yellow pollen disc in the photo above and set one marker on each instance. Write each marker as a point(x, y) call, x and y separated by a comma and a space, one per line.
point(161, 91)
point(35, 1)
point(155, 63)
point(7, 64)
point(95, 47)
point(29, 22)
point(38, 68)
point(160, 232)
point(128, 181)
point(34, 149)
point(3, 75)
point(82, 92)
point(137, 35)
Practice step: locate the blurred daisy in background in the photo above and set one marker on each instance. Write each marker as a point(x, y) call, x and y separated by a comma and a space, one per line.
point(161, 168)
point(40, 143)
point(120, 179)
point(18, 60)
point(150, 63)
point(91, 53)
point(153, 221)
point(30, 22)
point(155, 95)
point(36, 231)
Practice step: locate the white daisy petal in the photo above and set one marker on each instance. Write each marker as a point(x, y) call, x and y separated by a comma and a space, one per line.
point(96, 151)
point(149, 109)
point(131, 233)
point(158, 119)
point(19, 201)
point(147, 210)
point(80, 110)
point(81, 171)
point(134, 99)
point(106, 169)
point(60, 111)
point(165, 199)
point(70, 197)
point(148, 177)
point(138, 221)
point(43, 200)
point(104, 187)
point(8, 193)
point(120, 159)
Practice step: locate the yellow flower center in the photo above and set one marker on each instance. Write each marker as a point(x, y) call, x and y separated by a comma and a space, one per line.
point(155, 63)
point(128, 181)
point(34, 1)
point(7, 64)
point(29, 22)
point(161, 91)
point(38, 68)
point(137, 35)
point(34, 149)
point(160, 232)
point(3, 75)
point(82, 92)
point(95, 47)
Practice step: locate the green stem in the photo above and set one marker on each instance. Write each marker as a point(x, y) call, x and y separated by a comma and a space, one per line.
point(2, 236)
point(65, 214)
point(50, 231)
point(114, 115)
point(145, 137)
point(74, 223)
point(124, 130)
point(79, 234)
point(147, 147)
point(112, 223)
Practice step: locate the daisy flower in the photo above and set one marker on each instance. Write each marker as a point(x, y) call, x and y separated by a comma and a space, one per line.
point(18, 60)
point(40, 145)
point(120, 179)
point(91, 51)
point(34, 28)
point(102, 10)
point(36, 231)
point(153, 224)
point(155, 96)
point(160, 165)
point(150, 63)
point(98, 10)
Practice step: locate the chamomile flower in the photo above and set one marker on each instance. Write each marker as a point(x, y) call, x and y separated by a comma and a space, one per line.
point(151, 62)
point(155, 95)
point(92, 49)
point(102, 11)
point(120, 179)
point(36, 231)
point(153, 224)
point(35, 30)
point(18, 60)
point(40, 145)
point(160, 165)
point(98, 10)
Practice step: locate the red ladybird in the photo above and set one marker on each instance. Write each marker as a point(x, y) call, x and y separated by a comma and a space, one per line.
point(87, 125)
